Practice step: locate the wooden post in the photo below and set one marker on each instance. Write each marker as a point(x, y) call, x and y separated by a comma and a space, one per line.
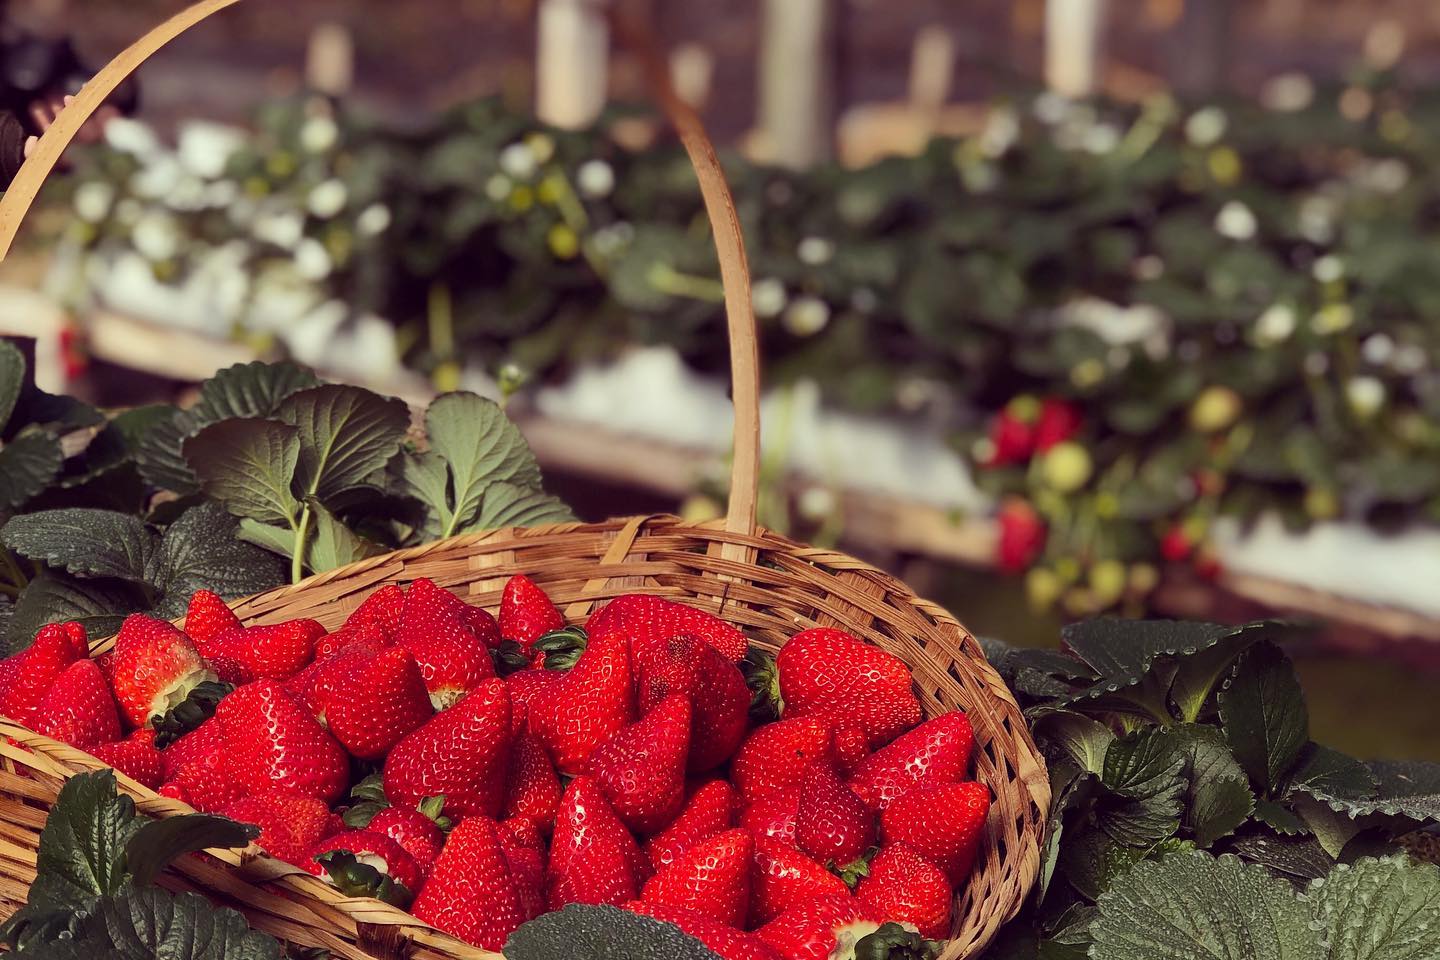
point(796, 82)
point(1200, 47)
point(572, 63)
point(330, 60)
point(1074, 43)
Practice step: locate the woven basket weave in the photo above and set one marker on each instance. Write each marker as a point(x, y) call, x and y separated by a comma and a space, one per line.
point(771, 586)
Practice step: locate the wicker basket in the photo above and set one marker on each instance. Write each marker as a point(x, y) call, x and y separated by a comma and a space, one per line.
point(771, 586)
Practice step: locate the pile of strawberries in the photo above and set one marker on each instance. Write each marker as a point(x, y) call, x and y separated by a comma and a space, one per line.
point(481, 772)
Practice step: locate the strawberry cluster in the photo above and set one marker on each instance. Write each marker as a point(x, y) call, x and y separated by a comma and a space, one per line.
point(482, 771)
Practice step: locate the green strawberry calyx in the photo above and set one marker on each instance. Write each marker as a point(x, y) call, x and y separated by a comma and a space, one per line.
point(354, 877)
point(562, 647)
point(197, 707)
point(894, 942)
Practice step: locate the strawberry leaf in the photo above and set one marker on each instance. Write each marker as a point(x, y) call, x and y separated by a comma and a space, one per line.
point(12, 380)
point(27, 466)
point(1084, 741)
point(1279, 818)
point(1262, 711)
point(82, 847)
point(1321, 770)
point(335, 544)
point(151, 922)
point(248, 465)
point(1143, 772)
point(85, 542)
point(1405, 789)
point(1377, 909)
point(52, 597)
point(160, 843)
point(346, 436)
point(200, 551)
point(1192, 906)
point(1299, 857)
point(602, 933)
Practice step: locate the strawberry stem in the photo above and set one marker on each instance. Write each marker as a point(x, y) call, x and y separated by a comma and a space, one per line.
point(297, 557)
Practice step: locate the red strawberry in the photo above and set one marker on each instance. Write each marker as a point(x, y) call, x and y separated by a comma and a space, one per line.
point(831, 674)
point(937, 751)
point(290, 824)
point(1022, 536)
point(773, 817)
point(821, 927)
point(136, 757)
point(78, 709)
point(486, 627)
point(276, 651)
point(372, 635)
point(832, 824)
point(323, 679)
point(434, 627)
point(593, 858)
point(534, 787)
point(106, 662)
point(642, 768)
point(207, 617)
point(156, 667)
point(413, 829)
point(1012, 439)
point(274, 742)
point(1177, 545)
point(942, 823)
point(521, 832)
point(851, 748)
point(526, 613)
point(588, 705)
point(782, 876)
point(774, 758)
point(906, 887)
point(719, 696)
point(473, 893)
point(335, 858)
point(646, 619)
point(524, 687)
point(377, 703)
point(712, 878)
point(229, 670)
point(525, 853)
point(382, 610)
point(205, 740)
point(724, 941)
point(710, 810)
point(462, 754)
point(1059, 421)
point(32, 671)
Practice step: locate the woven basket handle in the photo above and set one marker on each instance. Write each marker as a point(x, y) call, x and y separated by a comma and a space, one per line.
point(719, 205)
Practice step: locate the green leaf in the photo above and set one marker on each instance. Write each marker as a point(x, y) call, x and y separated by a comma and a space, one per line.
point(346, 434)
point(27, 466)
point(1404, 788)
point(252, 390)
point(248, 465)
point(116, 444)
point(1083, 740)
point(154, 924)
point(1092, 861)
point(98, 605)
point(1262, 712)
point(1218, 800)
point(160, 843)
point(1121, 651)
point(1198, 675)
point(85, 542)
point(1332, 828)
point(201, 551)
point(1144, 771)
point(1279, 818)
point(1378, 909)
point(335, 544)
point(274, 539)
point(160, 454)
point(1300, 857)
point(602, 933)
point(1327, 772)
point(12, 380)
point(507, 505)
point(1193, 906)
point(82, 847)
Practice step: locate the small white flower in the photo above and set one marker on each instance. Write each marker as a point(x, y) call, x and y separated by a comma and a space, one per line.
point(189, 194)
point(157, 178)
point(1275, 325)
point(1316, 218)
point(1116, 325)
point(768, 297)
point(519, 161)
point(1100, 139)
point(1288, 93)
point(816, 503)
point(542, 145)
point(373, 220)
point(806, 316)
point(1002, 129)
point(1332, 318)
point(1366, 395)
point(132, 137)
point(814, 251)
point(129, 211)
point(319, 134)
point(204, 149)
point(1051, 107)
point(156, 236)
point(1235, 221)
point(93, 201)
point(1389, 175)
point(498, 187)
point(1410, 359)
point(596, 178)
point(1206, 126)
point(979, 176)
point(1377, 349)
point(1148, 267)
point(312, 261)
point(1328, 269)
point(221, 194)
point(912, 393)
point(284, 229)
point(328, 199)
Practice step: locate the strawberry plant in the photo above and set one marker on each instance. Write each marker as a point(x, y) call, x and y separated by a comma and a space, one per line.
point(1181, 763)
